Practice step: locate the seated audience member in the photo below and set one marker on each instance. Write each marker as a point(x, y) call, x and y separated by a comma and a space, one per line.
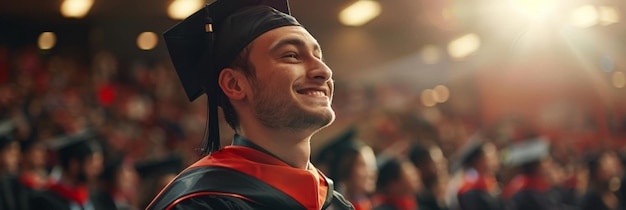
point(13, 195)
point(80, 160)
point(433, 172)
point(478, 188)
point(531, 187)
point(397, 184)
point(352, 165)
point(604, 182)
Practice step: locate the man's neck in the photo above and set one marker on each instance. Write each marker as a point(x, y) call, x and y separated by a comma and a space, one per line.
point(288, 146)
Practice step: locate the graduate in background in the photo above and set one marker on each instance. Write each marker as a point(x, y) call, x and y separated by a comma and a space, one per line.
point(604, 182)
point(13, 195)
point(531, 188)
point(80, 163)
point(479, 189)
point(352, 165)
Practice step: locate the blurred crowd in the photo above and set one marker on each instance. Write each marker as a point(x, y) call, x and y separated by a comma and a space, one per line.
point(110, 133)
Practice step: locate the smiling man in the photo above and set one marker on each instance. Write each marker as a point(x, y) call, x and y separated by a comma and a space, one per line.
point(266, 72)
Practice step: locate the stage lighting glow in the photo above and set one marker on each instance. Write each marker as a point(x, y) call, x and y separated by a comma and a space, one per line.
point(76, 8)
point(536, 9)
point(464, 46)
point(584, 16)
point(360, 12)
point(180, 9)
point(608, 15)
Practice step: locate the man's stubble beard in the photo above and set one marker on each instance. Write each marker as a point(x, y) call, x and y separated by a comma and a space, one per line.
point(281, 113)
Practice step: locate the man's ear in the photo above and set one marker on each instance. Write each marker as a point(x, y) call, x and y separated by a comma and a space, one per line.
point(232, 83)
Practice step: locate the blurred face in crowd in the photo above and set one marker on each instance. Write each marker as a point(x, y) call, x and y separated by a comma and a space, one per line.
point(609, 166)
point(9, 155)
point(491, 159)
point(92, 166)
point(34, 157)
point(410, 179)
point(364, 172)
point(293, 87)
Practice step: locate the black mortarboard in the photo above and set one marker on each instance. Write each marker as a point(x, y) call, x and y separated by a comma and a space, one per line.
point(172, 164)
point(77, 146)
point(334, 154)
point(210, 39)
point(529, 151)
point(7, 133)
point(468, 153)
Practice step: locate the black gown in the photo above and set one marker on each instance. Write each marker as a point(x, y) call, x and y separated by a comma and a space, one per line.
point(244, 177)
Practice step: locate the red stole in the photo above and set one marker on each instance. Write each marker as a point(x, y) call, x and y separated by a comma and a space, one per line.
point(398, 202)
point(78, 194)
point(525, 182)
point(308, 187)
point(474, 181)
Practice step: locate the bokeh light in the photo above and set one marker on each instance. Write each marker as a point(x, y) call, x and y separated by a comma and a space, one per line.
point(180, 9)
point(76, 8)
point(442, 93)
point(464, 46)
point(147, 40)
point(359, 12)
point(428, 98)
point(47, 40)
point(619, 79)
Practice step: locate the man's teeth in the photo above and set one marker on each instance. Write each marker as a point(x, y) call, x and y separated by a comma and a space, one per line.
point(315, 93)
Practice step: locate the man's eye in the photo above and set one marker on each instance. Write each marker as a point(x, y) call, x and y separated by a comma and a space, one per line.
point(290, 55)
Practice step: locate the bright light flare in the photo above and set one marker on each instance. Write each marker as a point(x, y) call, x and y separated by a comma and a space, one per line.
point(360, 12)
point(75, 8)
point(464, 46)
point(181, 9)
point(534, 8)
point(584, 16)
point(608, 15)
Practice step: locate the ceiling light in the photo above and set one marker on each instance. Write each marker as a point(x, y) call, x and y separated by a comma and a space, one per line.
point(360, 12)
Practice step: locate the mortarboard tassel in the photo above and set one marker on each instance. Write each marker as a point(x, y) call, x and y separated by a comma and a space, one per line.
point(213, 142)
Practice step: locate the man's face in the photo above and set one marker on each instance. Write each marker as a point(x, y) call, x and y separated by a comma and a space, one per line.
point(293, 86)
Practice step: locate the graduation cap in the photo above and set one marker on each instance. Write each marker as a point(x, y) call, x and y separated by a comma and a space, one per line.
point(77, 146)
point(172, 164)
point(526, 152)
point(334, 154)
point(210, 39)
point(7, 133)
point(469, 153)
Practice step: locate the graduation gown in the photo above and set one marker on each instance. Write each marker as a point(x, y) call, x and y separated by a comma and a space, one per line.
point(13, 195)
point(526, 192)
point(60, 197)
point(478, 193)
point(244, 176)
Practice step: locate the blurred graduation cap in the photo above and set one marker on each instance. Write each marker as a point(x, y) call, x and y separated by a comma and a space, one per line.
point(7, 133)
point(341, 146)
point(76, 146)
point(526, 152)
point(468, 153)
point(172, 164)
point(211, 38)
